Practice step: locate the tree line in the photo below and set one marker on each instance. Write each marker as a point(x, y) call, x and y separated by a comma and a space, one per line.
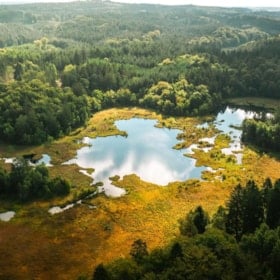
point(241, 241)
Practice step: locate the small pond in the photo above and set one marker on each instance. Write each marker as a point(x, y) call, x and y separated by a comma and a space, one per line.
point(228, 122)
point(45, 159)
point(7, 216)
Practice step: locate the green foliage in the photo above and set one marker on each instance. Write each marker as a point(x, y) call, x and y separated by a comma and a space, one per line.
point(85, 56)
point(234, 221)
point(263, 245)
point(194, 223)
point(180, 98)
point(245, 210)
point(273, 206)
point(33, 112)
point(26, 182)
point(264, 133)
point(124, 269)
point(100, 273)
point(260, 243)
point(248, 207)
point(219, 219)
point(138, 250)
point(253, 210)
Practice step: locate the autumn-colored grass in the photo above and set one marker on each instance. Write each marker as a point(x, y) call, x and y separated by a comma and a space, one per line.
point(36, 245)
point(75, 241)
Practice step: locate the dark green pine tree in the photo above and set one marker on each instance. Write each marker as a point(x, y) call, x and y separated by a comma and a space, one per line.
point(139, 250)
point(200, 219)
point(219, 218)
point(266, 189)
point(253, 211)
point(100, 273)
point(3, 181)
point(273, 206)
point(186, 225)
point(18, 72)
point(176, 251)
point(195, 222)
point(234, 219)
point(275, 259)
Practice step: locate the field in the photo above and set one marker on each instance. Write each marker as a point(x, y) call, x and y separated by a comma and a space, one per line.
point(37, 245)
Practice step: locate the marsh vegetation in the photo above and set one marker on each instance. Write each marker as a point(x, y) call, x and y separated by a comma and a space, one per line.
point(90, 72)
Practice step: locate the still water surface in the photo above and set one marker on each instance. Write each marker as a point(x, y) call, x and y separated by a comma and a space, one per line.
point(146, 151)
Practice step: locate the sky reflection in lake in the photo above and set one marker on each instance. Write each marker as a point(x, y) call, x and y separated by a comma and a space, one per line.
point(146, 151)
point(227, 122)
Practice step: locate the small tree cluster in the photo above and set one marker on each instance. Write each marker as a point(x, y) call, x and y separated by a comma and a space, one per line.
point(249, 206)
point(264, 133)
point(194, 223)
point(25, 182)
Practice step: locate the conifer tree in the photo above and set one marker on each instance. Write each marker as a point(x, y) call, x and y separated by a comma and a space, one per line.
point(139, 250)
point(253, 212)
point(194, 222)
point(100, 273)
point(273, 206)
point(234, 220)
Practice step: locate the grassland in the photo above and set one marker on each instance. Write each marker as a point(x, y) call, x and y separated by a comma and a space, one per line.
point(37, 245)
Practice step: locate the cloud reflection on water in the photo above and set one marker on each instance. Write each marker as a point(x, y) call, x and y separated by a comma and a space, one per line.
point(147, 152)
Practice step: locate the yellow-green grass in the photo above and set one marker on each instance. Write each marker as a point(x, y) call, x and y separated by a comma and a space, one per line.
point(64, 246)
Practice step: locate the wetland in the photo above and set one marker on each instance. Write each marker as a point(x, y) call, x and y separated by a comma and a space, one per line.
point(93, 231)
point(121, 103)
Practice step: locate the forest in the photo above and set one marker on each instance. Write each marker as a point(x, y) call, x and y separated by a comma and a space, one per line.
point(186, 65)
point(69, 71)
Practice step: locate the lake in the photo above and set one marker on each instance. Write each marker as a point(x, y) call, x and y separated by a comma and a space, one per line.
point(148, 152)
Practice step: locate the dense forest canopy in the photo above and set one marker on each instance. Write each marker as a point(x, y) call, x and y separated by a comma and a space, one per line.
point(66, 61)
